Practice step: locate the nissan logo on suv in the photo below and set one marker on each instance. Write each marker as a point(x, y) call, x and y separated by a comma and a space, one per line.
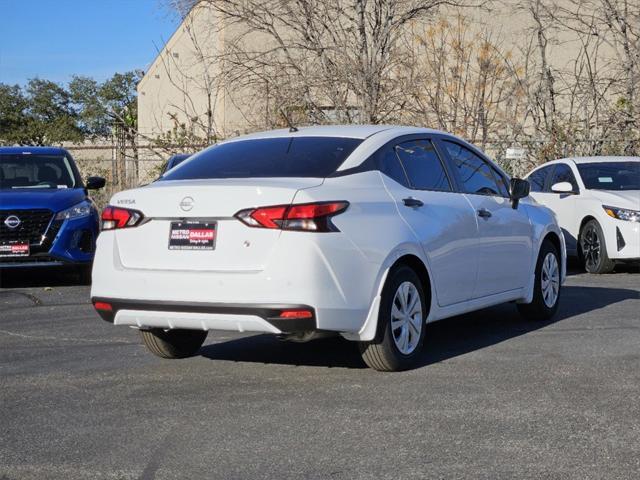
point(12, 221)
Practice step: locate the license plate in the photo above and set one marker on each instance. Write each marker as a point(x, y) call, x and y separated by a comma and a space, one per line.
point(192, 235)
point(14, 249)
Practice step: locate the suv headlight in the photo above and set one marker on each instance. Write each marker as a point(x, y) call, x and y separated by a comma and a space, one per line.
point(82, 209)
point(622, 213)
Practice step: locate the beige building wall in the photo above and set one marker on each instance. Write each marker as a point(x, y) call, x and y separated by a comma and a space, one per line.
point(182, 88)
point(187, 78)
point(186, 86)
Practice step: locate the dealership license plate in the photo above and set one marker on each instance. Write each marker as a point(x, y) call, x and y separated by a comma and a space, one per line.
point(14, 249)
point(192, 235)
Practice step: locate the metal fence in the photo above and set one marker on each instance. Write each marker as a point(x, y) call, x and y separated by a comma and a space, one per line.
point(123, 167)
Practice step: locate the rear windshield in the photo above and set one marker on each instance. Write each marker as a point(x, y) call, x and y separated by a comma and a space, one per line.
point(36, 171)
point(610, 175)
point(268, 157)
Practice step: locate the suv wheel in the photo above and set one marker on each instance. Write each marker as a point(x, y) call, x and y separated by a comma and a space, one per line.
point(593, 249)
point(546, 291)
point(173, 343)
point(401, 323)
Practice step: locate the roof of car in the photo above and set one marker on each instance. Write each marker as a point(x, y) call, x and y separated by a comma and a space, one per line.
point(343, 131)
point(582, 160)
point(602, 159)
point(28, 150)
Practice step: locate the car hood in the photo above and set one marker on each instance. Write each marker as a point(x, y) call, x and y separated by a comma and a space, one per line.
point(53, 199)
point(615, 198)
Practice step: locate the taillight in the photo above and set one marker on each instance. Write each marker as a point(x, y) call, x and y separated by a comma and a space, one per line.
point(309, 217)
point(296, 313)
point(116, 217)
point(103, 306)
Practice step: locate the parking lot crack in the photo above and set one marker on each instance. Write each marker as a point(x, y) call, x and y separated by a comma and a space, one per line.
point(32, 298)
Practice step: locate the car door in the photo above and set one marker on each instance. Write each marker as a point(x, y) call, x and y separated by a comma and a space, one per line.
point(563, 204)
point(505, 233)
point(441, 219)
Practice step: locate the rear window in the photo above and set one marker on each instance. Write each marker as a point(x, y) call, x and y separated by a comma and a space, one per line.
point(268, 157)
point(36, 171)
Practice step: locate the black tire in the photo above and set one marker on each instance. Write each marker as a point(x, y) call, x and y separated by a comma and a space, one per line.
point(382, 353)
point(593, 249)
point(538, 310)
point(173, 343)
point(84, 275)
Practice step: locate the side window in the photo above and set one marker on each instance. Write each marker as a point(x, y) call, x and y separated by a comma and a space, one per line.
point(502, 184)
point(563, 173)
point(423, 166)
point(538, 178)
point(474, 173)
point(389, 164)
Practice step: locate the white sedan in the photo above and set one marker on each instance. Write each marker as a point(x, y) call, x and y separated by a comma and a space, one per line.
point(597, 203)
point(367, 232)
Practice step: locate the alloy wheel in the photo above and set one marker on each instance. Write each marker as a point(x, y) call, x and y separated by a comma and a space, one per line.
point(591, 247)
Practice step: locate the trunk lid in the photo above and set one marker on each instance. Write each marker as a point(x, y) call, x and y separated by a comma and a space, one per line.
point(238, 248)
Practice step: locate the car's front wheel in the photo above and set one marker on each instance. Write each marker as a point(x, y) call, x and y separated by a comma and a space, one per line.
point(173, 343)
point(593, 249)
point(546, 291)
point(401, 320)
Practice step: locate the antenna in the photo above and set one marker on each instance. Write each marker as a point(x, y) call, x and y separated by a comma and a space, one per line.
point(292, 127)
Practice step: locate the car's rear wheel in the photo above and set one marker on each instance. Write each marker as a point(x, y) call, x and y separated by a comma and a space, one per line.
point(173, 343)
point(546, 291)
point(401, 323)
point(593, 249)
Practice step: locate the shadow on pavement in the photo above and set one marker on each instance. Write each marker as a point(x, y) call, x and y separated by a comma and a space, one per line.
point(39, 277)
point(445, 339)
point(574, 267)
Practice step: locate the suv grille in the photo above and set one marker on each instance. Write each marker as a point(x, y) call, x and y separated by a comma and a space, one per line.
point(33, 226)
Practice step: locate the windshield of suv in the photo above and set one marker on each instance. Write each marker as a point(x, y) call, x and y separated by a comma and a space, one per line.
point(36, 171)
point(267, 157)
point(610, 175)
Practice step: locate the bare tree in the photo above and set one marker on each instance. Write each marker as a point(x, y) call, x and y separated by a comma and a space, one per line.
point(460, 80)
point(616, 26)
point(323, 57)
point(194, 75)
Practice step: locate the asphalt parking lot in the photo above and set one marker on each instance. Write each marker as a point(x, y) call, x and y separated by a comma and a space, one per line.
point(495, 396)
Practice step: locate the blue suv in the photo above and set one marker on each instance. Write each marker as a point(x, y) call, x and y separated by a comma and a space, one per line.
point(46, 215)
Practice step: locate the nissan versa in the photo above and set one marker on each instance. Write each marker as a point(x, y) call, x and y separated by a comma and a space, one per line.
point(46, 216)
point(364, 231)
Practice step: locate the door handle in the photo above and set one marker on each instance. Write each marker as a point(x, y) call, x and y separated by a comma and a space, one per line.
point(412, 202)
point(484, 213)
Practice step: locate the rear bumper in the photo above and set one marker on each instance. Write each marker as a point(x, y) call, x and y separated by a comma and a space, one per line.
point(205, 316)
point(320, 272)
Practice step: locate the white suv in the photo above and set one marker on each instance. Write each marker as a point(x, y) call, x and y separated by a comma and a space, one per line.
point(363, 231)
point(597, 203)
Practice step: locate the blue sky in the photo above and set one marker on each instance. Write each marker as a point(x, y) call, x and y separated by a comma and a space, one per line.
point(54, 39)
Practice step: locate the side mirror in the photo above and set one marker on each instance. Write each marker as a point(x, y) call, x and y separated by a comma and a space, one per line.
point(518, 189)
point(562, 187)
point(95, 183)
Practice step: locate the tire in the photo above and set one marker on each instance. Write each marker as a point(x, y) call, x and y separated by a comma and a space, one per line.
point(384, 353)
point(84, 275)
point(173, 343)
point(545, 302)
point(593, 249)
